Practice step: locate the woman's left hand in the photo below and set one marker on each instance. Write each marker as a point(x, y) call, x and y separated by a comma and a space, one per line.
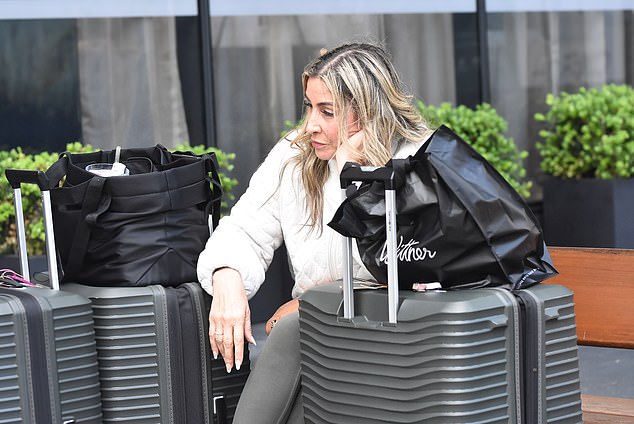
point(350, 150)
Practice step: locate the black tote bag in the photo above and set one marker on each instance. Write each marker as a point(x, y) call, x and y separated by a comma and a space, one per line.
point(140, 229)
point(459, 222)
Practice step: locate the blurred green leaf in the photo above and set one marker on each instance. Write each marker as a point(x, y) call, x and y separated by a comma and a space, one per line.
point(588, 134)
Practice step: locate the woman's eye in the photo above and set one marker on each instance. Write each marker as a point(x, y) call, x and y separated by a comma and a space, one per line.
point(327, 113)
point(307, 104)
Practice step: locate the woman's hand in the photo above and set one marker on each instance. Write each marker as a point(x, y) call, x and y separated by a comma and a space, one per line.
point(229, 318)
point(350, 150)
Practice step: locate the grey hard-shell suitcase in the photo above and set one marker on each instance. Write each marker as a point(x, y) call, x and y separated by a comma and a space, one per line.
point(155, 361)
point(472, 356)
point(48, 357)
point(548, 355)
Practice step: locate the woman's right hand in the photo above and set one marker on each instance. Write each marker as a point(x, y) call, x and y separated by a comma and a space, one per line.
point(350, 150)
point(229, 318)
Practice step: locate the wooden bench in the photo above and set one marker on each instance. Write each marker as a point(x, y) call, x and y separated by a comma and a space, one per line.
point(603, 284)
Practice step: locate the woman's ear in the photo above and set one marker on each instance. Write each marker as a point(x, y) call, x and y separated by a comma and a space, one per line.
point(354, 127)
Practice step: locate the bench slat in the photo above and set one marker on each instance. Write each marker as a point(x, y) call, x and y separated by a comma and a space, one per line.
point(603, 284)
point(604, 410)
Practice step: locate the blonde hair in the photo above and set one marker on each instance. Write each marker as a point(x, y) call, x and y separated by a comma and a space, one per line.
point(361, 78)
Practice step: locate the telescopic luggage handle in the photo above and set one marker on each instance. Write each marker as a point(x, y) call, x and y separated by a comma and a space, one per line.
point(16, 177)
point(350, 173)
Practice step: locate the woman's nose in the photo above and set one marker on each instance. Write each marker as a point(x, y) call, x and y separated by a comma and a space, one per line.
point(312, 126)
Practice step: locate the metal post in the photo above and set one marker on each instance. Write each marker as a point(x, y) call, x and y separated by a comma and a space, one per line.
point(21, 233)
point(392, 259)
point(348, 290)
point(483, 51)
point(50, 240)
point(207, 72)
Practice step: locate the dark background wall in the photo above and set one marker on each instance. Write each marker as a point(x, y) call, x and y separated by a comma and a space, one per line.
point(39, 84)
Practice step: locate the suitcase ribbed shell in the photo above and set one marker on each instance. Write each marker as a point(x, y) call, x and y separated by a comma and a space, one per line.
point(72, 369)
point(450, 358)
point(552, 392)
point(147, 366)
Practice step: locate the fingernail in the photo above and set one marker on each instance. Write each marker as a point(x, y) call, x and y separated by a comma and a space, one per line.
point(228, 369)
point(252, 341)
point(238, 363)
point(215, 355)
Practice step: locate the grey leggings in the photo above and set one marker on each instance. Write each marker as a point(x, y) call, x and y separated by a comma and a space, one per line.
point(272, 394)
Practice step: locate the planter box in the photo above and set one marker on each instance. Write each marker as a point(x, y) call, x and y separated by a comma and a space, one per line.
point(589, 213)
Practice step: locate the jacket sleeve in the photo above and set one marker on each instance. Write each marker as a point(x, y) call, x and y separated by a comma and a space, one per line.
point(246, 239)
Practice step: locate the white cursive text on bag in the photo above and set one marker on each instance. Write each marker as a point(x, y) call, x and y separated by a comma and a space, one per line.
point(408, 252)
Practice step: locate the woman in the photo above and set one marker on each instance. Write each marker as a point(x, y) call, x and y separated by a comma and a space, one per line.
point(355, 110)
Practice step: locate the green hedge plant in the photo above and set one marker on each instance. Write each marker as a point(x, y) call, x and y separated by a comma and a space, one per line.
point(31, 198)
point(588, 134)
point(225, 165)
point(31, 195)
point(484, 129)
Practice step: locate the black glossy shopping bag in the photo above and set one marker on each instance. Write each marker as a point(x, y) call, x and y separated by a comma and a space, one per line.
point(459, 222)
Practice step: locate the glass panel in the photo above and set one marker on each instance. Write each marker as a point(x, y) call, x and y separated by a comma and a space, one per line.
point(331, 7)
point(55, 9)
point(39, 84)
point(258, 61)
point(557, 5)
point(130, 85)
point(536, 53)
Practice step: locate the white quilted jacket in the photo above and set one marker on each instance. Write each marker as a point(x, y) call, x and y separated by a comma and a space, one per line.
point(265, 216)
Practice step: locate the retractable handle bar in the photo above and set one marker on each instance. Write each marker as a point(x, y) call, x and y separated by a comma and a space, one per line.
point(351, 173)
point(16, 178)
